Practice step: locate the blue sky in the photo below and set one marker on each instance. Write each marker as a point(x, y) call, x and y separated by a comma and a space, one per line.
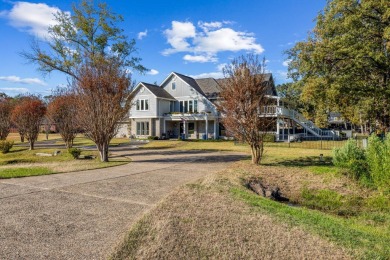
point(195, 38)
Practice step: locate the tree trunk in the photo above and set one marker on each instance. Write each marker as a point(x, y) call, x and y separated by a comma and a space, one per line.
point(31, 144)
point(256, 154)
point(103, 152)
point(21, 138)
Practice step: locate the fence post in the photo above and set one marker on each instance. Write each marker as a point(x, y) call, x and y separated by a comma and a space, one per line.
point(321, 142)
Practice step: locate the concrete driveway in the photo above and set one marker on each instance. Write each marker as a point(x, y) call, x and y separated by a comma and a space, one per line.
point(84, 215)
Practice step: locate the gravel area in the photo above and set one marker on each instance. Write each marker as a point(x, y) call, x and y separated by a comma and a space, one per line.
point(84, 215)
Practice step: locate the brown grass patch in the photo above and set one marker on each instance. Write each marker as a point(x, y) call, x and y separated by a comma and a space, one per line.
point(201, 221)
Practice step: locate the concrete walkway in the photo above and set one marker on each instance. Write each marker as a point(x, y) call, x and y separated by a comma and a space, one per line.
point(84, 215)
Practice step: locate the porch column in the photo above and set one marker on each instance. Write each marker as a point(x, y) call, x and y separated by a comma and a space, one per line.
point(185, 129)
point(277, 129)
point(207, 127)
point(215, 128)
point(165, 127)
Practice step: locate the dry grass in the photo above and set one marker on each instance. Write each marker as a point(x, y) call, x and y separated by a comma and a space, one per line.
point(20, 158)
point(273, 155)
point(41, 137)
point(216, 226)
point(219, 218)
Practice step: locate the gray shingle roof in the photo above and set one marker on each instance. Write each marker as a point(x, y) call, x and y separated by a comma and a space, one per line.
point(158, 91)
point(209, 86)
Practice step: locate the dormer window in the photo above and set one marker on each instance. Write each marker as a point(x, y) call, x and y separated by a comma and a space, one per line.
point(173, 85)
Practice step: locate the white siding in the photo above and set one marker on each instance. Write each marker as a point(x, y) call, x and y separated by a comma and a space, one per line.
point(146, 94)
point(185, 92)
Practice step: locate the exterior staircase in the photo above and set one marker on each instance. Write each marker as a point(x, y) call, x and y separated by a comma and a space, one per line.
point(309, 126)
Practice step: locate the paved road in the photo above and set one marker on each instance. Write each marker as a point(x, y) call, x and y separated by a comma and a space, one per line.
point(84, 215)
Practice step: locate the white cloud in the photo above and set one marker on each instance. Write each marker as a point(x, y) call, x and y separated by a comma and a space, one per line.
point(14, 90)
point(153, 72)
point(199, 58)
point(142, 34)
point(16, 79)
point(205, 43)
point(286, 62)
point(32, 18)
point(177, 36)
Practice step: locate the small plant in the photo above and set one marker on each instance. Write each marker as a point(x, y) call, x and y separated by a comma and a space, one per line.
point(378, 159)
point(74, 152)
point(352, 158)
point(5, 146)
point(153, 137)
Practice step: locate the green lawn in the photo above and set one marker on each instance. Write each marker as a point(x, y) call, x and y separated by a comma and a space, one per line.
point(21, 162)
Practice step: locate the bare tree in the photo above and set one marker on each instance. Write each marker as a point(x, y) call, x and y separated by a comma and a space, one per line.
point(62, 112)
point(27, 116)
point(103, 100)
point(244, 95)
point(5, 116)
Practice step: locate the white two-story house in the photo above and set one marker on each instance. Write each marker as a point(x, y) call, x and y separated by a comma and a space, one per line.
point(180, 107)
point(185, 107)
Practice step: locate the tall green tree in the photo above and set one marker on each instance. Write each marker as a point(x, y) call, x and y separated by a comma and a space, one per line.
point(344, 64)
point(83, 37)
point(94, 52)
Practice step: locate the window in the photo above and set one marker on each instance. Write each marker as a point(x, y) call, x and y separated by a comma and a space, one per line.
point(173, 85)
point(189, 106)
point(142, 105)
point(191, 128)
point(171, 106)
point(195, 106)
point(142, 128)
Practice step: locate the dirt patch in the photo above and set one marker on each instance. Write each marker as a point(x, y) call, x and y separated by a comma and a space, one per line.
point(292, 180)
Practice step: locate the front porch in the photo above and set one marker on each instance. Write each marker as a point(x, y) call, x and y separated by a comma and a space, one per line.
point(190, 126)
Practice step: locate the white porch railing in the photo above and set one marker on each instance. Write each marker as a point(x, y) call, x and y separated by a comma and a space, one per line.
point(298, 118)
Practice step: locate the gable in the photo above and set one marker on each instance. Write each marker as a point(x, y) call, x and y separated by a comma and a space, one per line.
point(178, 85)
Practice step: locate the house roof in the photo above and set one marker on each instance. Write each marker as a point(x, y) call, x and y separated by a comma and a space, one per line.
point(209, 86)
point(158, 91)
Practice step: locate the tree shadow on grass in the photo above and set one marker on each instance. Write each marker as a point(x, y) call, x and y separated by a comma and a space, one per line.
point(303, 162)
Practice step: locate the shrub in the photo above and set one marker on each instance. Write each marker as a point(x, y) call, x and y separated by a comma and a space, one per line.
point(378, 159)
point(352, 158)
point(153, 137)
point(74, 152)
point(269, 138)
point(5, 146)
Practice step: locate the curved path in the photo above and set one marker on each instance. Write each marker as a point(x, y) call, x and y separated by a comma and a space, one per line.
point(84, 215)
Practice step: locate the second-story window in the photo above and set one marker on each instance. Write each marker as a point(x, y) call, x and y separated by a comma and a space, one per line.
point(173, 85)
point(189, 106)
point(171, 106)
point(142, 105)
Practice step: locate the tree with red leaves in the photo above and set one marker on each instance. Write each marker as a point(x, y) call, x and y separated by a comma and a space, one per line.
point(27, 116)
point(5, 116)
point(62, 112)
point(103, 100)
point(244, 94)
